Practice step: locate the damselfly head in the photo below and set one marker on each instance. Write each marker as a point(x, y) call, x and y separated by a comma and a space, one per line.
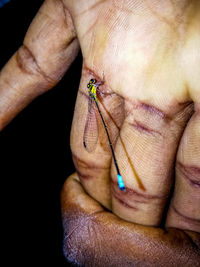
point(92, 81)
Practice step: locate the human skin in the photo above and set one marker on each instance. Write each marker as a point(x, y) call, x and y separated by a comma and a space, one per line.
point(149, 53)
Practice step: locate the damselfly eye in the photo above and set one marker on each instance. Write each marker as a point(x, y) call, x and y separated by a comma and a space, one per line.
point(92, 81)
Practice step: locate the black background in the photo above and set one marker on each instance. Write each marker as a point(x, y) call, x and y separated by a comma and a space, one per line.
point(35, 157)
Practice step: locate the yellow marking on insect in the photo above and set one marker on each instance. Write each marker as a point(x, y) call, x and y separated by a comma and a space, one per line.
point(92, 89)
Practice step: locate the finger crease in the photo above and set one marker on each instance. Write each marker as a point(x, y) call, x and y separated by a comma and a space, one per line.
point(133, 196)
point(122, 201)
point(27, 63)
point(190, 173)
point(84, 168)
point(86, 164)
point(143, 128)
point(193, 220)
point(153, 110)
point(83, 175)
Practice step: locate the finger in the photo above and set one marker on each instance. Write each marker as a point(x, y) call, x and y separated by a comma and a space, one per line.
point(184, 210)
point(94, 235)
point(48, 49)
point(147, 148)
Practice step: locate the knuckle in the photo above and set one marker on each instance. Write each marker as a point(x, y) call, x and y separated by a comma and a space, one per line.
point(28, 64)
point(26, 61)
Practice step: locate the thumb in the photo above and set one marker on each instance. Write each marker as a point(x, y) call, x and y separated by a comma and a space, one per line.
point(93, 235)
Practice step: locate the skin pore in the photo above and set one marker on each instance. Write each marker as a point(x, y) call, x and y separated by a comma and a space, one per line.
point(149, 52)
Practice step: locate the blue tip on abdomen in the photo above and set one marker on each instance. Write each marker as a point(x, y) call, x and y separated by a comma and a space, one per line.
point(121, 182)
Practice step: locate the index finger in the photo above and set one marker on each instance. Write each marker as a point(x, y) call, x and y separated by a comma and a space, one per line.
point(49, 47)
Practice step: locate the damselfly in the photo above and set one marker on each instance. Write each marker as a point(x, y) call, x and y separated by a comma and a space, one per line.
point(89, 141)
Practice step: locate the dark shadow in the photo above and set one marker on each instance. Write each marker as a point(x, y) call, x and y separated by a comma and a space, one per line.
point(35, 156)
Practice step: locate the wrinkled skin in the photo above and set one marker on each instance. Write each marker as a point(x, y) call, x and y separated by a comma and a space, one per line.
point(149, 55)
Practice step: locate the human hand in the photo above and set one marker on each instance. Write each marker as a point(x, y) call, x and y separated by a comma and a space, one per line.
point(144, 53)
point(150, 101)
point(149, 95)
